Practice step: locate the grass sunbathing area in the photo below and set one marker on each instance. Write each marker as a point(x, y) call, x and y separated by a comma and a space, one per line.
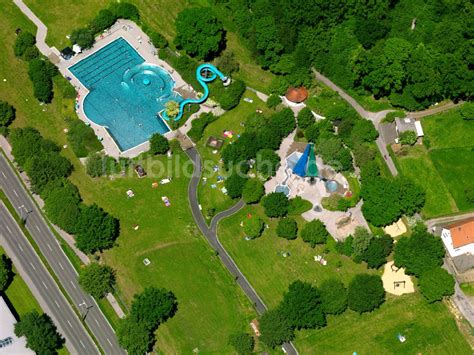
point(443, 164)
point(211, 305)
point(427, 327)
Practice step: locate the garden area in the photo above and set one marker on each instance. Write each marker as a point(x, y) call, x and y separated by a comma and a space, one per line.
point(442, 165)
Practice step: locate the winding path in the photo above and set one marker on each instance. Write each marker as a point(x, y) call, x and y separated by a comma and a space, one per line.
point(210, 232)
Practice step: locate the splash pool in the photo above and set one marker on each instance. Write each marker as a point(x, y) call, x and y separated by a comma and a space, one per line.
point(125, 93)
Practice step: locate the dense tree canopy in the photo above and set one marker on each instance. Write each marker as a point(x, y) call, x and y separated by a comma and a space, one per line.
point(125, 10)
point(267, 162)
point(41, 73)
point(6, 272)
point(314, 233)
point(96, 279)
point(235, 185)
point(333, 295)
point(275, 328)
point(435, 284)
point(243, 343)
point(104, 19)
point(253, 191)
point(7, 113)
point(83, 37)
point(40, 332)
point(62, 204)
point(287, 228)
point(275, 204)
point(253, 227)
point(377, 251)
point(23, 41)
point(305, 118)
point(365, 293)
point(159, 144)
point(134, 337)
point(199, 33)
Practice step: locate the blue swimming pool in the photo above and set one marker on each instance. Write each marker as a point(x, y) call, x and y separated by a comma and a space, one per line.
point(126, 93)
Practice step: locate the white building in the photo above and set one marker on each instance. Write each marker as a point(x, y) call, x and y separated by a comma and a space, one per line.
point(458, 240)
point(9, 343)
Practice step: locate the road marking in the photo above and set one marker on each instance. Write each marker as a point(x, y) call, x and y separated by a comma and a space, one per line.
point(32, 265)
point(4, 175)
point(49, 246)
point(46, 287)
point(109, 341)
point(16, 193)
point(60, 265)
point(19, 246)
point(72, 283)
point(9, 230)
point(80, 341)
point(68, 322)
point(97, 322)
point(57, 304)
point(37, 228)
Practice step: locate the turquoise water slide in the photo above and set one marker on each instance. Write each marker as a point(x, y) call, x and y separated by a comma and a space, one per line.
point(201, 77)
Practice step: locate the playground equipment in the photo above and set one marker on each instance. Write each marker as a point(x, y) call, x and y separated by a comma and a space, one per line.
point(203, 79)
point(306, 165)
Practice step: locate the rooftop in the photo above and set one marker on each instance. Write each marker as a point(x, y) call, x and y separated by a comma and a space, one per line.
point(9, 343)
point(462, 233)
point(296, 95)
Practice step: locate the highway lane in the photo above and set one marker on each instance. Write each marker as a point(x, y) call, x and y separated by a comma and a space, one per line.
point(33, 271)
point(56, 258)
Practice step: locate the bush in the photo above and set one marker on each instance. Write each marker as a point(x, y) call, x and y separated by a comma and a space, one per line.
point(6, 273)
point(305, 118)
point(7, 114)
point(99, 164)
point(229, 97)
point(23, 41)
point(435, 284)
point(253, 191)
point(408, 138)
point(273, 101)
point(159, 144)
point(96, 279)
point(82, 138)
point(104, 19)
point(83, 37)
point(31, 53)
point(227, 63)
point(299, 205)
point(287, 228)
point(314, 233)
point(235, 185)
point(253, 227)
point(41, 73)
point(390, 117)
point(125, 10)
point(199, 125)
point(275, 328)
point(275, 204)
point(365, 293)
point(199, 33)
point(467, 111)
point(345, 247)
point(333, 295)
point(243, 343)
point(377, 251)
point(158, 40)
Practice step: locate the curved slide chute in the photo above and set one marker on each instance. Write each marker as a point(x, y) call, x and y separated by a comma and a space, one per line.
point(203, 79)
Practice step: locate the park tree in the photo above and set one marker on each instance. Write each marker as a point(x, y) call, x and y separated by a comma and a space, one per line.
point(229, 96)
point(287, 228)
point(411, 196)
point(435, 284)
point(345, 247)
point(199, 33)
point(172, 108)
point(96, 230)
point(6, 272)
point(83, 37)
point(420, 252)
point(159, 144)
point(273, 101)
point(360, 241)
point(333, 152)
point(135, 337)
point(363, 131)
point(275, 204)
point(158, 40)
point(408, 138)
point(333, 296)
point(153, 306)
point(47, 166)
point(23, 41)
point(40, 332)
point(7, 113)
point(365, 293)
point(41, 73)
point(104, 19)
point(253, 227)
point(62, 204)
point(302, 307)
point(242, 343)
point(275, 328)
point(377, 251)
point(314, 233)
point(97, 279)
point(305, 118)
point(267, 162)
point(125, 10)
point(235, 185)
point(381, 201)
point(253, 191)
point(283, 122)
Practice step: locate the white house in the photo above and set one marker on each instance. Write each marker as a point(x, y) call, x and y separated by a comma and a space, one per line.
point(458, 240)
point(9, 343)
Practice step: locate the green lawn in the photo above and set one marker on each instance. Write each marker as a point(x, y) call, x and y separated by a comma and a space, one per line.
point(429, 328)
point(211, 305)
point(231, 120)
point(62, 17)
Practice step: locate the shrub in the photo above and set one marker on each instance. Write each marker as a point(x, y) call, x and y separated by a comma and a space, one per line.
point(96, 279)
point(7, 114)
point(299, 205)
point(469, 194)
point(377, 251)
point(23, 41)
point(41, 73)
point(83, 37)
point(333, 295)
point(314, 233)
point(104, 19)
point(435, 284)
point(287, 228)
point(345, 247)
point(199, 125)
point(159, 144)
point(82, 139)
point(31, 53)
point(253, 191)
point(158, 40)
point(235, 185)
point(273, 101)
point(408, 138)
point(243, 343)
point(253, 227)
point(365, 293)
point(6, 272)
point(275, 204)
point(229, 97)
point(305, 118)
point(98, 164)
point(467, 111)
point(125, 10)
point(390, 117)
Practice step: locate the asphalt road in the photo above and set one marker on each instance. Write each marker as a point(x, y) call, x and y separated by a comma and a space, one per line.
point(211, 235)
point(58, 261)
point(43, 286)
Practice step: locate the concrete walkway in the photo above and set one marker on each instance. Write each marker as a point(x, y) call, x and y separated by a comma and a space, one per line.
point(442, 221)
